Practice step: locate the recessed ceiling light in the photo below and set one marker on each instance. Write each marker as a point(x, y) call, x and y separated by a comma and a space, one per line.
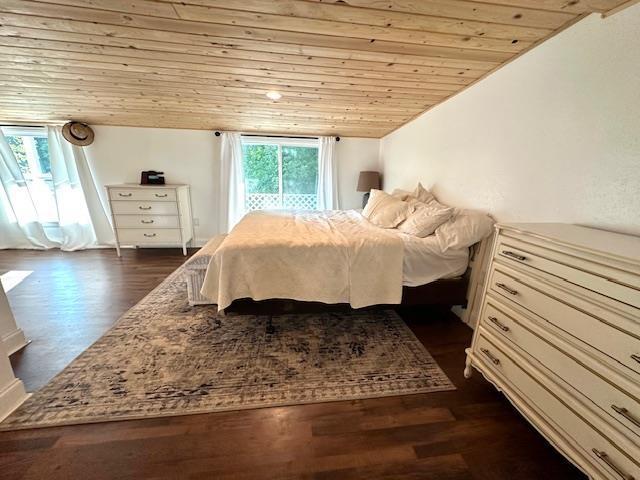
point(273, 95)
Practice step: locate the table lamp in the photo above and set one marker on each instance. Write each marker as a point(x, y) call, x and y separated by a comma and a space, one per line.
point(367, 181)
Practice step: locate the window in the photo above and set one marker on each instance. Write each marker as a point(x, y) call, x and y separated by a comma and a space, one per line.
point(280, 173)
point(31, 149)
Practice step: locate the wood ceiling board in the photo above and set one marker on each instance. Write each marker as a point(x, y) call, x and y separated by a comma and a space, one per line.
point(353, 67)
point(51, 49)
point(232, 45)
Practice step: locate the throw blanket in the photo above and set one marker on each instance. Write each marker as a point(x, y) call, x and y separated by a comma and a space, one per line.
point(329, 257)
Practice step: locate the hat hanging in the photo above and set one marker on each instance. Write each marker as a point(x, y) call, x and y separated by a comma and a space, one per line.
point(78, 133)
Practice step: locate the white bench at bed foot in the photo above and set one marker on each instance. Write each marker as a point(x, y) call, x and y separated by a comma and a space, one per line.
point(196, 268)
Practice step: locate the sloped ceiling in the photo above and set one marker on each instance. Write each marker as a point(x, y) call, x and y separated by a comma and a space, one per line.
point(343, 67)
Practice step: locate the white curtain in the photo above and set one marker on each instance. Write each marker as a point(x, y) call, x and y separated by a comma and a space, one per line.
point(19, 222)
point(327, 175)
point(232, 194)
point(79, 210)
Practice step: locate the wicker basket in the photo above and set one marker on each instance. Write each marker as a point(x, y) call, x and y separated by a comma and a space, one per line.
point(196, 269)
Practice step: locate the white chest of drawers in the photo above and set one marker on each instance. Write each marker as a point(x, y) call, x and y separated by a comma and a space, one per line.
point(151, 215)
point(559, 335)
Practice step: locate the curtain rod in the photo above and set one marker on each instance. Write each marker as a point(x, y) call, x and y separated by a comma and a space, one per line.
point(217, 133)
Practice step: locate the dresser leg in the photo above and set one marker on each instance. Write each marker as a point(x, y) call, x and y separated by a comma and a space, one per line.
point(118, 250)
point(184, 249)
point(467, 367)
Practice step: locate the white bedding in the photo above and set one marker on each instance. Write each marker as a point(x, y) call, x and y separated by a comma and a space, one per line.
point(424, 261)
point(330, 257)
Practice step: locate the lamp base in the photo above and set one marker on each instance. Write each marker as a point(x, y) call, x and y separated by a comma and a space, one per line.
point(365, 199)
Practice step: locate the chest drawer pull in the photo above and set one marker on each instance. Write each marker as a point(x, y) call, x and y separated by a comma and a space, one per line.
point(149, 234)
point(498, 324)
point(511, 254)
point(144, 208)
point(146, 221)
point(635, 357)
point(161, 195)
point(605, 458)
point(625, 413)
point(493, 359)
point(510, 291)
point(125, 194)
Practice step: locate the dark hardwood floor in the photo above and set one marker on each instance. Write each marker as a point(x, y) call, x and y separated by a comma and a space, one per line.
point(70, 299)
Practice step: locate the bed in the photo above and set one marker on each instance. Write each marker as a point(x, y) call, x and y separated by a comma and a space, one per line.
point(335, 257)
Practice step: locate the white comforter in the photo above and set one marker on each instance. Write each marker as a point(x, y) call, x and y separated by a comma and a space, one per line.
point(330, 257)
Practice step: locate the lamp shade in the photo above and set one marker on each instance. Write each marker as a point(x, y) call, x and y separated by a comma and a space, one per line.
point(368, 180)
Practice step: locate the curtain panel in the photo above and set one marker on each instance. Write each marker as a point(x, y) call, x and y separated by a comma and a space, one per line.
point(232, 193)
point(79, 210)
point(327, 174)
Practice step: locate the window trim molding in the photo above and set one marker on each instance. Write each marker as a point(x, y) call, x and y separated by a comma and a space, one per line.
point(18, 131)
point(281, 141)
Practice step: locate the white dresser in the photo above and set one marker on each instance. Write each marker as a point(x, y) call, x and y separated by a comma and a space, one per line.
point(151, 215)
point(559, 335)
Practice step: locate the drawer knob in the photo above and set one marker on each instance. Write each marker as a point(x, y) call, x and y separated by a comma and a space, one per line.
point(605, 458)
point(144, 208)
point(125, 194)
point(510, 291)
point(160, 195)
point(146, 221)
point(499, 324)
point(493, 359)
point(511, 254)
point(626, 414)
point(635, 357)
point(149, 234)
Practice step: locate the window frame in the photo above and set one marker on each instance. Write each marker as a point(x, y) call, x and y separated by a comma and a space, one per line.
point(280, 142)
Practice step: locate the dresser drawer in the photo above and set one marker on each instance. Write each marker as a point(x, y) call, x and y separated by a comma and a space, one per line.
point(147, 221)
point(605, 280)
point(148, 208)
point(143, 193)
point(608, 332)
point(141, 236)
point(526, 382)
point(563, 360)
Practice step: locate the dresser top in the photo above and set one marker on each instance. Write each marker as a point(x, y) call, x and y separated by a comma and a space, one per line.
point(137, 185)
point(583, 238)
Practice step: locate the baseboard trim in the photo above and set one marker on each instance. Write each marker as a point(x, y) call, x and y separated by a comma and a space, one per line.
point(12, 397)
point(14, 341)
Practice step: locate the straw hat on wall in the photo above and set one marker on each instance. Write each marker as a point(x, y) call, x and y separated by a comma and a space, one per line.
point(78, 133)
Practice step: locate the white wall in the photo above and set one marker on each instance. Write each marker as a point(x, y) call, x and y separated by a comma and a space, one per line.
point(119, 154)
point(553, 136)
point(354, 155)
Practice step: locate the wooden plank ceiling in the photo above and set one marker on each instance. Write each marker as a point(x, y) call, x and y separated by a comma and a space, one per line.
point(344, 67)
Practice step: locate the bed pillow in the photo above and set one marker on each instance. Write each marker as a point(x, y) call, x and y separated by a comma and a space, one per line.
point(422, 194)
point(425, 220)
point(385, 210)
point(402, 194)
point(463, 229)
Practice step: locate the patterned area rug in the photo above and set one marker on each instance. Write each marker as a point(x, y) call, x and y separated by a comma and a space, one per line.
point(164, 357)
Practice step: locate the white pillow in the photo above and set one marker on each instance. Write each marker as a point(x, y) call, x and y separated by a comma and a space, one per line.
point(422, 194)
point(463, 229)
point(401, 194)
point(385, 210)
point(425, 220)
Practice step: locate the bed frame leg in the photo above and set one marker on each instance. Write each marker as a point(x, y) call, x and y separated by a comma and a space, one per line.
point(270, 328)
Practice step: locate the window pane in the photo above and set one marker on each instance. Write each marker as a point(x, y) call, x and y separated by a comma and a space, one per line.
point(17, 145)
point(299, 177)
point(260, 163)
point(42, 148)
